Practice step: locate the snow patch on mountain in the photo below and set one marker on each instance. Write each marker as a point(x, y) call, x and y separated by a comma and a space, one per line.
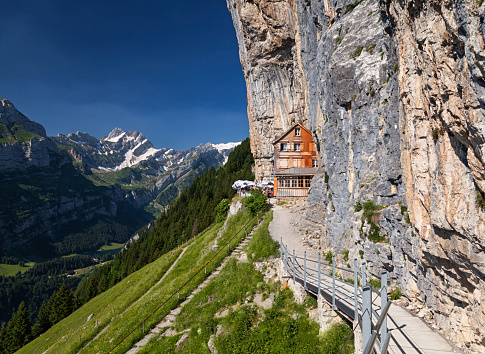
point(225, 146)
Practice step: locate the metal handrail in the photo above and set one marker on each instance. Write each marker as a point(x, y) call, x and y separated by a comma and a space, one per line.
point(361, 297)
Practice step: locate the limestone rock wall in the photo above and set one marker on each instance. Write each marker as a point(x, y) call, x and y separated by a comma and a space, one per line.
point(393, 93)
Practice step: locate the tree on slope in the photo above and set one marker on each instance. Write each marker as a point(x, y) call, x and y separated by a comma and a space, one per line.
point(43, 322)
point(19, 330)
point(61, 304)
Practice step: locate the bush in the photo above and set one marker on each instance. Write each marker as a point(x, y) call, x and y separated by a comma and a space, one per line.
point(255, 202)
point(437, 132)
point(346, 255)
point(221, 209)
point(395, 294)
point(357, 207)
point(334, 338)
point(357, 52)
point(480, 200)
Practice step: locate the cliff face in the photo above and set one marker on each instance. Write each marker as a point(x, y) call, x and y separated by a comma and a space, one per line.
point(393, 92)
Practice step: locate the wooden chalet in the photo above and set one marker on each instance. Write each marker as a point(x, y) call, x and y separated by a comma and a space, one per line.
point(295, 162)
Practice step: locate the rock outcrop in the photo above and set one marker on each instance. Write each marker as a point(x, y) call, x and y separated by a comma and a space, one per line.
point(393, 92)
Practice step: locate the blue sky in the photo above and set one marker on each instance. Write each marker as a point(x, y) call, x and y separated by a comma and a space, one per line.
point(169, 69)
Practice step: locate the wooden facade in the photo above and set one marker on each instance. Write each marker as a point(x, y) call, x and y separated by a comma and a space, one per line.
point(295, 162)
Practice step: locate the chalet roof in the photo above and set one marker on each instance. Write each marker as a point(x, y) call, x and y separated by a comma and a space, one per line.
point(289, 130)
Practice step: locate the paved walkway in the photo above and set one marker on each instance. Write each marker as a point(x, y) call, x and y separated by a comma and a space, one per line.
point(410, 334)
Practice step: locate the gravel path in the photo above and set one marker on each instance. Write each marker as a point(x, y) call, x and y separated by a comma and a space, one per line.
point(285, 225)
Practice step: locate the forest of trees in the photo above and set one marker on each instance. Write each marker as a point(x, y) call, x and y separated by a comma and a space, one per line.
point(38, 284)
point(192, 212)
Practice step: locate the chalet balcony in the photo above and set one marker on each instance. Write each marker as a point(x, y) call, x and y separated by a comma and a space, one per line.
point(297, 171)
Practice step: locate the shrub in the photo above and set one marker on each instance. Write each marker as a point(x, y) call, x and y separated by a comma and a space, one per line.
point(361, 253)
point(480, 200)
point(255, 202)
point(221, 210)
point(437, 132)
point(396, 67)
point(346, 255)
point(334, 339)
point(371, 215)
point(329, 257)
point(376, 283)
point(357, 207)
point(372, 93)
point(357, 52)
point(395, 294)
point(370, 49)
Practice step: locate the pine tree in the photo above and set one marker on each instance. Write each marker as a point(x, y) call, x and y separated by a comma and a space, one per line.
point(19, 330)
point(61, 304)
point(43, 322)
point(3, 338)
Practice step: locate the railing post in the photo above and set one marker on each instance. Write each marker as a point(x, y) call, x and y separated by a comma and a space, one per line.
point(294, 280)
point(319, 271)
point(366, 315)
point(384, 333)
point(333, 286)
point(356, 295)
point(364, 279)
point(286, 259)
point(304, 275)
point(281, 248)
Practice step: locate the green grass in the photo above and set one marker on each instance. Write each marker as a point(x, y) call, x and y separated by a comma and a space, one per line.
point(262, 245)
point(192, 261)
point(65, 335)
point(8, 270)
point(244, 328)
point(112, 246)
point(15, 133)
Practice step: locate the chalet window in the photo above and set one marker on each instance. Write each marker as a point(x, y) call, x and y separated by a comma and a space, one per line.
point(300, 182)
point(283, 147)
point(294, 182)
point(283, 163)
point(286, 182)
point(297, 147)
point(308, 180)
point(297, 131)
point(314, 163)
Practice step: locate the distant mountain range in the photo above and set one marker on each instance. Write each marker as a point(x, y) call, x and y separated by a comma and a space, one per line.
point(69, 194)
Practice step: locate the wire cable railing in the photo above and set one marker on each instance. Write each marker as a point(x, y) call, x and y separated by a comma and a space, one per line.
point(352, 297)
point(203, 267)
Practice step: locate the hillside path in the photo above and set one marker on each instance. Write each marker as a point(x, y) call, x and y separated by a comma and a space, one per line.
point(410, 334)
point(139, 299)
point(285, 226)
point(169, 320)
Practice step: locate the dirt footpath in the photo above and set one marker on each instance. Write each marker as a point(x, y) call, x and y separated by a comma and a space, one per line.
point(288, 224)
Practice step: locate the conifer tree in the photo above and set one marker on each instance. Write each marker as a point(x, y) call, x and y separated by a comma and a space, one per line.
point(3, 339)
point(61, 304)
point(19, 329)
point(43, 322)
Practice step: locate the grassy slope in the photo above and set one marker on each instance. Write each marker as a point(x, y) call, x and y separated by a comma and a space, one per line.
point(12, 269)
point(245, 329)
point(65, 335)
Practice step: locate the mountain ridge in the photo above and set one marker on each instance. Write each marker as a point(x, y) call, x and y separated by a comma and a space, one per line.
point(57, 190)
